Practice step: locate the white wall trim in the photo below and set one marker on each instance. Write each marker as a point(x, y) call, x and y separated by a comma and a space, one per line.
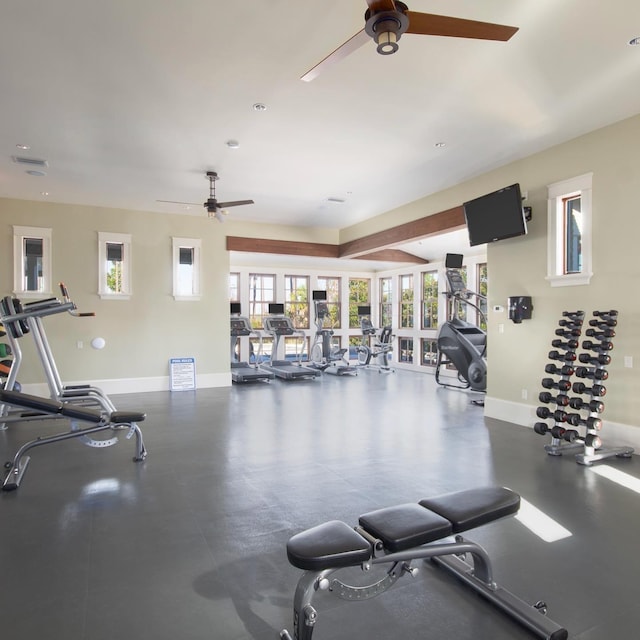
point(614, 434)
point(137, 385)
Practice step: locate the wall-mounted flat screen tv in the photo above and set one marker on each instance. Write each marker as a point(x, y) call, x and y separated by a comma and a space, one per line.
point(495, 216)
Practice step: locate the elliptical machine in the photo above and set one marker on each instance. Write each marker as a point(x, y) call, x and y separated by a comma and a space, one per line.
point(376, 355)
point(324, 355)
point(461, 343)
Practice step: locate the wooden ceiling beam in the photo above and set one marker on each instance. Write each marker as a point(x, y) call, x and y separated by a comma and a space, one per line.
point(442, 222)
point(372, 247)
point(392, 255)
point(284, 247)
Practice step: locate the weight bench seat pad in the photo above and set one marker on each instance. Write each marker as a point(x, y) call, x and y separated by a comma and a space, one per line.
point(19, 399)
point(405, 526)
point(331, 545)
point(474, 507)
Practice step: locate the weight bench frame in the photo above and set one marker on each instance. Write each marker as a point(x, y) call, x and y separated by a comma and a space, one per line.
point(100, 420)
point(399, 535)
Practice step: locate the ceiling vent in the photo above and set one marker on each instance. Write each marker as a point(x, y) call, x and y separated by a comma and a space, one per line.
point(32, 162)
point(334, 199)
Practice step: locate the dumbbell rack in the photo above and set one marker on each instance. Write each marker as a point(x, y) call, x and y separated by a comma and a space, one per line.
point(588, 446)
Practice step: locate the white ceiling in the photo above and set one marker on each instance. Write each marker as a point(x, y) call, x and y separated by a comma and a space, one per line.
point(131, 101)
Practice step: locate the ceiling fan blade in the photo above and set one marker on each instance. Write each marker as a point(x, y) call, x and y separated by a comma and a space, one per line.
point(432, 25)
point(194, 204)
point(234, 203)
point(381, 5)
point(353, 43)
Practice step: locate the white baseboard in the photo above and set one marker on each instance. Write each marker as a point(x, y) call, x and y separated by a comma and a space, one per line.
point(136, 385)
point(614, 434)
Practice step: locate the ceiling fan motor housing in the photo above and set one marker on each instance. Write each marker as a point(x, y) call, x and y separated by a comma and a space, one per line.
point(387, 27)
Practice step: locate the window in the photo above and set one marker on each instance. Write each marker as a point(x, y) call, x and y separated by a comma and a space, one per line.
point(430, 300)
point(296, 296)
point(333, 288)
point(261, 293)
point(386, 306)
point(234, 287)
point(481, 288)
point(429, 350)
point(186, 268)
point(114, 265)
point(358, 296)
point(569, 231)
point(406, 302)
point(31, 261)
point(296, 348)
point(405, 346)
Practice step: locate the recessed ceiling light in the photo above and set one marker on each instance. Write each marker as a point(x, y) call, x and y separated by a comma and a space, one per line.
point(23, 146)
point(439, 145)
point(44, 193)
point(35, 172)
point(232, 144)
point(634, 42)
point(259, 106)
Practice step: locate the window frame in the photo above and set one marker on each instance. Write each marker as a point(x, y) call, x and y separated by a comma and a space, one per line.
point(124, 239)
point(20, 234)
point(558, 194)
point(405, 307)
point(385, 288)
point(293, 308)
point(333, 286)
point(195, 244)
point(264, 303)
point(355, 303)
point(432, 300)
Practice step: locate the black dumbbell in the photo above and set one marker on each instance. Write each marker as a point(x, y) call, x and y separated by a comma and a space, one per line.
point(592, 373)
point(568, 333)
point(570, 325)
point(604, 345)
point(593, 441)
point(573, 314)
point(541, 428)
point(613, 312)
point(600, 335)
point(557, 431)
point(557, 415)
point(569, 344)
point(603, 323)
point(561, 400)
point(596, 390)
point(561, 385)
point(569, 356)
point(595, 406)
point(575, 420)
point(564, 370)
point(570, 435)
point(602, 358)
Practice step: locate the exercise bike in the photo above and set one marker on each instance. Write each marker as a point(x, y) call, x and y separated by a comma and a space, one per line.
point(376, 355)
point(460, 343)
point(326, 356)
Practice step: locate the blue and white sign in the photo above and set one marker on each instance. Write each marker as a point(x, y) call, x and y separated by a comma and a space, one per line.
point(182, 374)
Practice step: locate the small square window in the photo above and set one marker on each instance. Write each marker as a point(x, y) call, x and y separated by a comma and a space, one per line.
point(114, 265)
point(31, 262)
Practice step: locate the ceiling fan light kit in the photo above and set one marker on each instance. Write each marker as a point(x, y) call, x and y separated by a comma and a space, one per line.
point(387, 27)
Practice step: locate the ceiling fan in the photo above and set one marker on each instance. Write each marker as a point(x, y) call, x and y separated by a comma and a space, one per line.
point(214, 208)
point(387, 20)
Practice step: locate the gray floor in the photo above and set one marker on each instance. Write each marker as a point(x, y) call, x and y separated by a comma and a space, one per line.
point(191, 543)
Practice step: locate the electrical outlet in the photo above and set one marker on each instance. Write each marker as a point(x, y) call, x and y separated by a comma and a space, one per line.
point(525, 394)
point(80, 344)
point(628, 362)
point(500, 328)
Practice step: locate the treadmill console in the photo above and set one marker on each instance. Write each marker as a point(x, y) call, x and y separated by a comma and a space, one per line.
point(456, 283)
point(240, 326)
point(279, 326)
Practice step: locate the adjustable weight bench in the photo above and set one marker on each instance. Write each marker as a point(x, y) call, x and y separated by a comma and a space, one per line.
point(99, 420)
point(396, 536)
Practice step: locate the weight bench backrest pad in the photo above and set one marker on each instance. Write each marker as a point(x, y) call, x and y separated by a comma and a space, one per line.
point(26, 400)
point(405, 526)
point(474, 507)
point(331, 545)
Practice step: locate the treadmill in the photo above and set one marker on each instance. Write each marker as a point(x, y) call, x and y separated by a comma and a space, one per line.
point(276, 325)
point(243, 371)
